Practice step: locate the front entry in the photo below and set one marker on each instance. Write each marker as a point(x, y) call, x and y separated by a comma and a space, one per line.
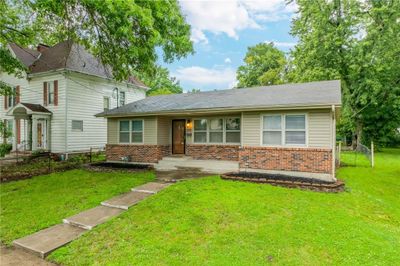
point(41, 134)
point(178, 136)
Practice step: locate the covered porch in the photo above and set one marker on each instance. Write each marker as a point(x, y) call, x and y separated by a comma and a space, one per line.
point(31, 127)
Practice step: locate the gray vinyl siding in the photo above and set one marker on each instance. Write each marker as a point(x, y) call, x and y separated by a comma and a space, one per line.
point(320, 129)
point(163, 130)
point(251, 129)
point(149, 130)
point(112, 131)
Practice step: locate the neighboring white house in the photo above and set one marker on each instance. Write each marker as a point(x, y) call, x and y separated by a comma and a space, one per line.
point(56, 101)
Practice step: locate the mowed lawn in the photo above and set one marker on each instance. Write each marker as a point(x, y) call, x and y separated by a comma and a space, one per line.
point(30, 205)
point(215, 222)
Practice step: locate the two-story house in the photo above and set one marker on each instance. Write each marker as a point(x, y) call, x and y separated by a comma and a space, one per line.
point(55, 102)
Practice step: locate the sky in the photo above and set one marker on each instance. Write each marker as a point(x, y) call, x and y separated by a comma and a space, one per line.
point(221, 32)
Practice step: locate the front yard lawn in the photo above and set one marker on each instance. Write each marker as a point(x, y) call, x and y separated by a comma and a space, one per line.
point(30, 205)
point(216, 222)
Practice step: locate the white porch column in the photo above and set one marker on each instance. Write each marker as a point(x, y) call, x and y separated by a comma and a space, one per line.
point(15, 134)
point(34, 133)
point(48, 136)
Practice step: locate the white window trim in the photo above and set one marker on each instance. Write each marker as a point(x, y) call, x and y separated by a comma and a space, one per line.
point(283, 130)
point(130, 132)
point(75, 129)
point(207, 131)
point(12, 99)
point(108, 101)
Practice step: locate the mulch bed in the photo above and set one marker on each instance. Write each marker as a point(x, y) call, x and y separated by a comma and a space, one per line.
point(287, 181)
point(114, 166)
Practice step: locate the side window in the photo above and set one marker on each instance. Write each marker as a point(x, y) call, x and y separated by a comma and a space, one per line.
point(295, 129)
point(200, 131)
point(232, 126)
point(50, 93)
point(272, 130)
point(121, 98)
point(124, 132)
point(106, 103)
point(77, 125)
point(216, 134)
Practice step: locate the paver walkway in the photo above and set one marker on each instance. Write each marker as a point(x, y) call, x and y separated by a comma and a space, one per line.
point(47, 240)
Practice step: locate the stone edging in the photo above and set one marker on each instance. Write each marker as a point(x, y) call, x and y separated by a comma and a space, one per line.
point(338, 186)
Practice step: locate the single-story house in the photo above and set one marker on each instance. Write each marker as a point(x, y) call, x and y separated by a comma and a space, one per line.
point(288, 129)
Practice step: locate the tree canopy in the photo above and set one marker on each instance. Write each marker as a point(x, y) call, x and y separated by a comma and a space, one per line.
point(160, 82)
point(264, 64)
point(123, 34)
point(356, 42)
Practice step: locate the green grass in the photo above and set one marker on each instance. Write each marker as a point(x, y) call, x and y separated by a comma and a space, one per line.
point(215, 222)
point(33, 204)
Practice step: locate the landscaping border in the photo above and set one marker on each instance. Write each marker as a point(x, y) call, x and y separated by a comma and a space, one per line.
point(308, 184)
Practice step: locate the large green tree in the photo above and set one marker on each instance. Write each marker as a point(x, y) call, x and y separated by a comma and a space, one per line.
point(125, 34)
point(160, 82)
point(356, 42)
point(264, 64)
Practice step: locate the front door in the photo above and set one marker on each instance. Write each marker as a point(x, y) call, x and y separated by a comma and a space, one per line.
point(178, 136)
point(41, 134)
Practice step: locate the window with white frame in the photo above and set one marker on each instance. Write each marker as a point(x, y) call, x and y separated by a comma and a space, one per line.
point(121, 98)
point(106, 103)
point(284, 130)
point(232, 127)
point(217, 130)
point(131, 131)
point(295, 129)
point(77, 125)
point(200, 131)
point(12, 98)
point(50, 92)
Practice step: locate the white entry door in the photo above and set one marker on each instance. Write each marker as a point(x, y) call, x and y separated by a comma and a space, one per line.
point(41, 134)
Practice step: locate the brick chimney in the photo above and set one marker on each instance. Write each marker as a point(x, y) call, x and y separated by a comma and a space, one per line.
point(41, 47)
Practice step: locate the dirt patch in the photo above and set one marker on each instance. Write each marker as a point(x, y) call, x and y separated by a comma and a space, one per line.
point(287, 181)
point(14, 256)
point(114, 166)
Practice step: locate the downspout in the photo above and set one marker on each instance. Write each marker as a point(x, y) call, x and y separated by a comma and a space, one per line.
point(334, 143)
point(66, 118)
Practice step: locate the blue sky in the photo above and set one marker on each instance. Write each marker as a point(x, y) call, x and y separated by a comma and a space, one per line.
point(222, 31)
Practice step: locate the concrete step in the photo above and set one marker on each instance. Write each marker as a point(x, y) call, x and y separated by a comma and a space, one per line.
point(151, 187)
point(176, 158)
point(126, 200)
point(92, 217)
point(209, 166)
point(45, 241)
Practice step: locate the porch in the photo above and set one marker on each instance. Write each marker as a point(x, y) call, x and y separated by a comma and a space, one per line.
point(31, 127)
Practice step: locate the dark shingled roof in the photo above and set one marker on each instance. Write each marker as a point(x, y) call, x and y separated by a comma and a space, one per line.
point(66, 55)
point(36, 107)
point(25, 55)
point(287, 95)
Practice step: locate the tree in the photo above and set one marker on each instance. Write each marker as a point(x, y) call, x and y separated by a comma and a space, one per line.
point(160, 82)
point(356, 42)
point(123, 34)
point(263, 65)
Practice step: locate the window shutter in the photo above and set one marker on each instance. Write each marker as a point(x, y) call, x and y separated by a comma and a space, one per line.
point(56, 92)
point(5, 102)
point(45, 93)
point(17, 94)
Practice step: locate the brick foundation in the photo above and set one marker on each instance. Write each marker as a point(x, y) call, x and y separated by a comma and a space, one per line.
point(138, 153)
point(310, 160)
point(213, 152)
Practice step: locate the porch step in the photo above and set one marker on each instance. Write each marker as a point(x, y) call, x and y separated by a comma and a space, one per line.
point(177, 158)
point(92, 217)
point(45, 241)
point(208, 166)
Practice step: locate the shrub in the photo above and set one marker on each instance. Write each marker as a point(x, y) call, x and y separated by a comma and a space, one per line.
point(5, 148)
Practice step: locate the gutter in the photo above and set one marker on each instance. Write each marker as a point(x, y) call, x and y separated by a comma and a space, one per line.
point(221, 110)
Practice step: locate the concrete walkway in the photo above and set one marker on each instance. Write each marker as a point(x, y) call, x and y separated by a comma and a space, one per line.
point(47, 240)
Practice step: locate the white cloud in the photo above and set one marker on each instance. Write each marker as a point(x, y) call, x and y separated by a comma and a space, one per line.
point(228, 60)
point(223, 77)
point(282, 44)
point(230, 16)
